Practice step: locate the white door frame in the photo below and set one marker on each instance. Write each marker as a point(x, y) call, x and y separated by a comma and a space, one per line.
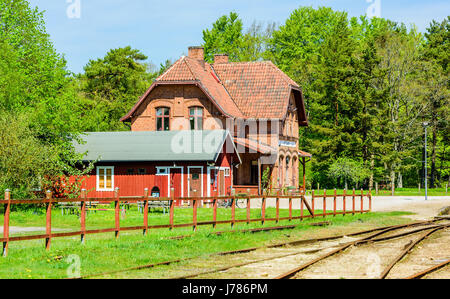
point(168, 177)
point(208, 181)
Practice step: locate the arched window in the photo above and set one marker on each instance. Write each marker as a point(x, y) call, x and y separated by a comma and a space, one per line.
point(288, 160)
point(196, 118)
point(155, 192)
point(162, 119)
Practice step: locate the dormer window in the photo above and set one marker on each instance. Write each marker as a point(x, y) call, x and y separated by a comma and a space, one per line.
point(196, 118)
point(163, 119)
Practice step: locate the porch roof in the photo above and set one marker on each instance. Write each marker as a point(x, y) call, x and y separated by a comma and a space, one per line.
point(304, 154)
point(255, 145)
point(153, 146)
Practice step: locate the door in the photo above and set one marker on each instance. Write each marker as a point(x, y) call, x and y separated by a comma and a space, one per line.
point(221, 183)
point(195, 182)
point(175, 182)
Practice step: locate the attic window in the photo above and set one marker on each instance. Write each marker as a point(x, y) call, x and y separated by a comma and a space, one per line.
point(163, 119)
point(196, 118)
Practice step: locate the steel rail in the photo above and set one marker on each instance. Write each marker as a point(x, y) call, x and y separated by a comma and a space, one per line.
point(291, 243)
point(368, 239)
point(429, 270)
point(408, 249)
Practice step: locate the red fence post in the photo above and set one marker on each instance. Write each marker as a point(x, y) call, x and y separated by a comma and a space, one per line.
point(145, 211)
point(278, 207)
point(362, 201)
point(215, 213)
point(248, 210)
point(334, 202)
point(324, 203)
point(301, 207)
point(194, 214)
point(290, 207)
point(83, 215)
point(312, 205)
point(117, 211)
point(233, 211)
point(172, 207)
point(6, 222)
point(344, 197)
point(263, 210)
point(48, 223)
point(353, 201)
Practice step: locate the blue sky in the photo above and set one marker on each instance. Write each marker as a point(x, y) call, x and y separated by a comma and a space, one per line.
point(164, 29)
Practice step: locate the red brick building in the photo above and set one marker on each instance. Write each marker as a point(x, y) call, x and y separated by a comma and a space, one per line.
point(259, 105)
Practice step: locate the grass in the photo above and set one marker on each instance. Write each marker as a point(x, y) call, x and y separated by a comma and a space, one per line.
point(102, 252)
point(398, 192)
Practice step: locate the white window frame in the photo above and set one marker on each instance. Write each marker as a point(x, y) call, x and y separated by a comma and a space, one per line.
point(159, 170)
point(98, 178)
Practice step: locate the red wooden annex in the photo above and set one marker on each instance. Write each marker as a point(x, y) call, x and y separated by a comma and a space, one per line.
point(194, 163)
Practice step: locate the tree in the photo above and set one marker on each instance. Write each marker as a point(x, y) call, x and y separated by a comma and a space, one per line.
point(435, 90)
point(227, 37)
point(38, 105)
point(348, 171)
point(111, 86)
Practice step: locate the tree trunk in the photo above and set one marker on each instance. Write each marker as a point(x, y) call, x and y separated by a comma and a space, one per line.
point(392, 182)
point(400, 181)
point(372, 164)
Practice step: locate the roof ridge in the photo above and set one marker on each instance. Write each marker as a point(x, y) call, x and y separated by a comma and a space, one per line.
point(285, 77)
point(224, 87)
point(168, 69)
point(189, 68)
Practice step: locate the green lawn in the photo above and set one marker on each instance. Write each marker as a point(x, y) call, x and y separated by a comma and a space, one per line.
point(398, 192)
point(101, 252)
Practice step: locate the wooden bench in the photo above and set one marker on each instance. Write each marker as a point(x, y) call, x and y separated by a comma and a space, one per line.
point(153, 204)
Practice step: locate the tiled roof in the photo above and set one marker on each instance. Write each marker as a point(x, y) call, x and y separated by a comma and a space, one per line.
point(240, 90)
point(255, 146)
point(259, 89)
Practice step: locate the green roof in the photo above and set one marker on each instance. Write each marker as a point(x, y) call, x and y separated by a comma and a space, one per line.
point(153, 146)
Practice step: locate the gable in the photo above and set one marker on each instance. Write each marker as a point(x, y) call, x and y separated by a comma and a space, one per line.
point(249, 90)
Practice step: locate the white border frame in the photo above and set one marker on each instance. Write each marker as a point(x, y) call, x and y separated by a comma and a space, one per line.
point(98, 181)
point(201, 178)
point(208, 181)
point(168, 177)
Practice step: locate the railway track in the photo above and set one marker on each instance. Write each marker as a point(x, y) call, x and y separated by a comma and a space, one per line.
point(429, 230)
point(332, 244)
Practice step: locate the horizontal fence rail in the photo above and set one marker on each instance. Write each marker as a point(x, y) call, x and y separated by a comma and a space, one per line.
point(83, 202)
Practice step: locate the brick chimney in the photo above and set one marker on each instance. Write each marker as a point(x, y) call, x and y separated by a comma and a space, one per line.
point(221, 58)
point(197, 53)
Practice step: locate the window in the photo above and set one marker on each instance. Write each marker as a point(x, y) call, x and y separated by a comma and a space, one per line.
point(162, 171)
point(142, 171)
point(227, 171)
point(105, 178)
point(196, 118)
point(155, 192)
point(162, 119)
point(130, 171)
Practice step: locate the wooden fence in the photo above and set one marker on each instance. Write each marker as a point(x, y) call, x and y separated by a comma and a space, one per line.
point(82, 202)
